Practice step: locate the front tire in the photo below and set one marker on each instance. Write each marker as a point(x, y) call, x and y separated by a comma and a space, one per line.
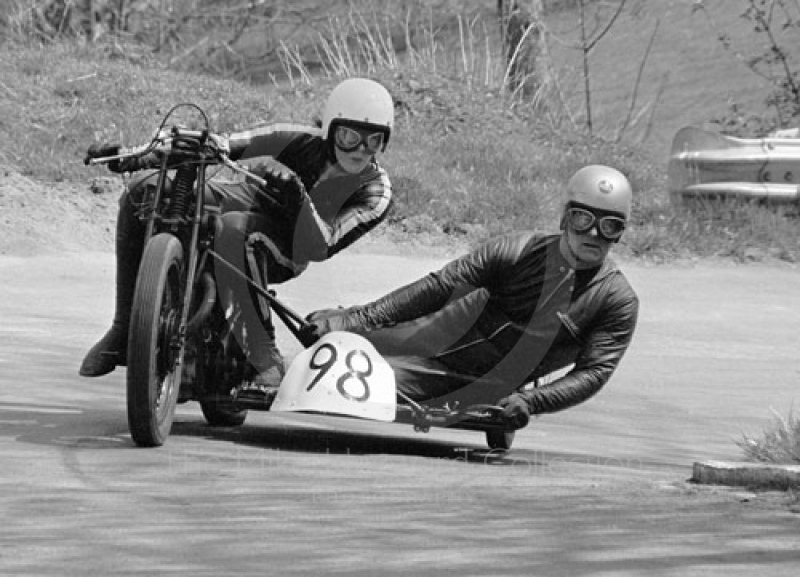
point(154, 347)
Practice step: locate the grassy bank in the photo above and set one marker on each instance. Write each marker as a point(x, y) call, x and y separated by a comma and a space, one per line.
point(465, 162)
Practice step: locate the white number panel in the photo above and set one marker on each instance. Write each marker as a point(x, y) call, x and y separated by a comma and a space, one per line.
point(342, 374)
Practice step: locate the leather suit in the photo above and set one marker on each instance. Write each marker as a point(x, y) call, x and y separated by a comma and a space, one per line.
point(502, 317)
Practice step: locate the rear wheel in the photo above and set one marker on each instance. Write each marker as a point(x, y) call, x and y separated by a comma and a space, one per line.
point(222, 369)
point(217, 414)
point(499, 440)
point(154, 345)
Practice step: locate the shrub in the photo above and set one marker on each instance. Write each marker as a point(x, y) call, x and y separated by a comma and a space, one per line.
point(778, 443)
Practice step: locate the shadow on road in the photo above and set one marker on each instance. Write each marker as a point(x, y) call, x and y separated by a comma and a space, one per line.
point(70, 427)
point(328, 436)
point(302, 439)
point(64, 426)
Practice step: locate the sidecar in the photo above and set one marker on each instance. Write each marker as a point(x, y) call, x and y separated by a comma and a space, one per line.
point(339, 374)
point(342, 374)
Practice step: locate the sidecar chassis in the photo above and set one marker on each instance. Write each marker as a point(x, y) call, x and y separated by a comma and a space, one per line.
point(485, 418)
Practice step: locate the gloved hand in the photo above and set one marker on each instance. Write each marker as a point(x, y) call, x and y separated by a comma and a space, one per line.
point(120, 165)
point(328, 320)
point(283, 188)
point(99, 150)
point(516, 411)
point(134, 163)
point(221, 142)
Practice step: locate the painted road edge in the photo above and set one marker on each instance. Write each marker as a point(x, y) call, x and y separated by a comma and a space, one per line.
point(743, 474)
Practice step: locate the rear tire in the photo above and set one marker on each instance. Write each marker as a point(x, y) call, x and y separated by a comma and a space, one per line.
point(220, 370)
point(153, 378)
point(499, 440)
point(218, 415)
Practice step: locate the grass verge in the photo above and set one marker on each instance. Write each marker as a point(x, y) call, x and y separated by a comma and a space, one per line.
point(466, 161)
point(779, 442)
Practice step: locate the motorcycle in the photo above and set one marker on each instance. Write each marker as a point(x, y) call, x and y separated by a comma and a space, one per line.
point(181, 343)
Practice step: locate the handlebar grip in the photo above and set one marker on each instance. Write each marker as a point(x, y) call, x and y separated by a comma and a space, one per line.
point(100, 150)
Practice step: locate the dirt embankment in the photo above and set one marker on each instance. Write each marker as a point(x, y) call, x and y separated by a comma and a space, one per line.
point(42, 217)
point(39, 217)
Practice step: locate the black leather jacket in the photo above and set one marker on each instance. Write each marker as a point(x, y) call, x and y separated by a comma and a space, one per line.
point(339, 208)
point(512, 311)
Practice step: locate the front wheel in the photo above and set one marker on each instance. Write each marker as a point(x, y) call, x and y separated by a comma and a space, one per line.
point(154, 342)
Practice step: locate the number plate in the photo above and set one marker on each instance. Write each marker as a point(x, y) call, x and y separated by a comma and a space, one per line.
point(342, 374)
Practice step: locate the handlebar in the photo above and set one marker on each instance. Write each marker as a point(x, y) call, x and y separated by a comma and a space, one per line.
point(164, 142)
point(180, 142)
point(98, 150)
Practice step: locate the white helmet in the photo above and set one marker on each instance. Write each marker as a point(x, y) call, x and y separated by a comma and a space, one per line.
point(361, 101)
point(601, 187)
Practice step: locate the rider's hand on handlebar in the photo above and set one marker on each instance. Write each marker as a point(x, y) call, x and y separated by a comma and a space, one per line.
point(101, 149)
point(516, 411)
point(221, 142)
point(134, 163)
point(283, 187)
point(120, 165)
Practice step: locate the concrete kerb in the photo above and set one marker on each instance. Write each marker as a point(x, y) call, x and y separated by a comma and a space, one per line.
point(743, 474)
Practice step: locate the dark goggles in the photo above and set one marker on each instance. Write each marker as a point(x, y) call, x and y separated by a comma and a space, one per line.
point(582, 220)
point(348, 139)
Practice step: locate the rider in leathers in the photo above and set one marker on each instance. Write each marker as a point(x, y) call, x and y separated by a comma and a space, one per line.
point(326, 190)
point(519, 307)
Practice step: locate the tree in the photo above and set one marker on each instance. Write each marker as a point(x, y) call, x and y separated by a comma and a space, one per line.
point(524, 45)
point(588, 41)
point(773, 21)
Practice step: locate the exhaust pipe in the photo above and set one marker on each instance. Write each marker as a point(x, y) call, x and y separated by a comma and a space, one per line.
point(209, 300)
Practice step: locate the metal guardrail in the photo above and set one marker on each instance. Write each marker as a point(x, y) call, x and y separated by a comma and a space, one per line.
point(707, 165)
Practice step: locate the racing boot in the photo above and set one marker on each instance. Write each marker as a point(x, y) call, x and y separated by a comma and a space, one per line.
point(111, 350)
point(265, 370)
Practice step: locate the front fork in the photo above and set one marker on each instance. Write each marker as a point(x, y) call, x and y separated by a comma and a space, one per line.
point(171, 221)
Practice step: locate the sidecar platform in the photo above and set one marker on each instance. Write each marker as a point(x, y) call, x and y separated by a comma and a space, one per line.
point(343, 375)
point(484, 418)
point(481, 418)
point(474, 418)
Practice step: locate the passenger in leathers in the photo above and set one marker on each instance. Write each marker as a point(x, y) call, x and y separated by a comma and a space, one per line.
point(327, 191)
point(490, 326)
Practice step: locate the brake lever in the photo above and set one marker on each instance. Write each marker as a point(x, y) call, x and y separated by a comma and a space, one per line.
point(235, 166)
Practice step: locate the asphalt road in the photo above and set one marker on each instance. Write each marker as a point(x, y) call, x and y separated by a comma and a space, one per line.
point(597, 490)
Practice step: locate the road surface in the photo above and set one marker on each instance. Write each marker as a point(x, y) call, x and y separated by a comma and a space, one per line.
point(597, 490)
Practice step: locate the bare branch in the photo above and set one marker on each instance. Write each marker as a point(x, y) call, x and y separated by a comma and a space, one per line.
point(638, 81)
point(607, 27)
